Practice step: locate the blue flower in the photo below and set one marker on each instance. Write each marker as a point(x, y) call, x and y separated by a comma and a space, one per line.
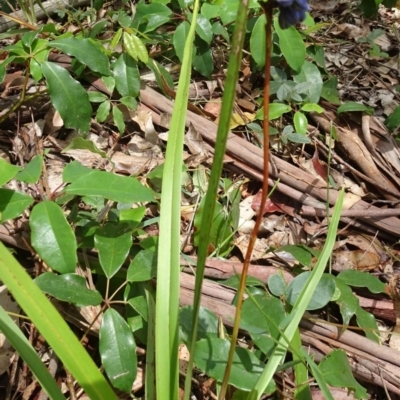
point(291, 12)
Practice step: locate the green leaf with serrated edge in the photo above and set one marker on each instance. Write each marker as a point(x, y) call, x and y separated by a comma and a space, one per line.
point(97, 97)
point(393, 120)
point(321, 296)
point(118, 119)
point(12, 204)
point(257, 41)
point(276, 285)
point(362, 279)
point(311, 76)
point(70, 288)
point(81, 143)
point(301, 253)
point(113, 242)
point(31, 172)
point(118, 351)
point(52, 237)
point(129, 101)
point(103, 111)
point(291, 45)
point(352, 106)
point(203, 28)
point(7, 171)
point(85, 51)
point(179, 38)
point(208, 324)
point(68, 97)
point(276, 110)
point(143, 267)
point(116, 38)
point(337, 372)
point(261, 317)
point(367, 322)
point(300, 122)
point(203, 61)
point(312, 107)
point(127, 77)
point(347, 301)
point(211, 356)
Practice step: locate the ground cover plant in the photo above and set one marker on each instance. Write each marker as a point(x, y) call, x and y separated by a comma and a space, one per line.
point(140, 142)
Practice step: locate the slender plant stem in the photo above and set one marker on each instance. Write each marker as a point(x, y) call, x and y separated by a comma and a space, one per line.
point(268, 33)
point(216, 170)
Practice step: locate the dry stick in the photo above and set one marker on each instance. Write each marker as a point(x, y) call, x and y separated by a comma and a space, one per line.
point(268, 32)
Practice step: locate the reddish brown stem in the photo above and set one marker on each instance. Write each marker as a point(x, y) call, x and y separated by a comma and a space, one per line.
point(268, 34)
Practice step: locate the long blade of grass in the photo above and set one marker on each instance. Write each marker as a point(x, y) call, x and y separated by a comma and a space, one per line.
point(53, 328)
point(167, 299)
point(29, 355)
point(300, 306)
point(216, 170)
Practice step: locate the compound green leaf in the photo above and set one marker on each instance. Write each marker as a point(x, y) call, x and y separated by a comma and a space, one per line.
point(208, 326)
point(122, 189)
point(300, 123)
point(85, 51)
point(52, 237)
point(337, 372)
point(103, 111)
point(393, 120)
point(135, 47)
point(292, 46)
point(80, 143)
point(68, 97)
point(31, 172)
point(204, 28)
point(143, 267)
point(212, 354)
point(353, 106)
point(118, 119)
point(203, 61)
point(179, 38)
point(126, 74)
point(321, 296)
point(7, 171)
point(12, 204)
point(118, 350)
point(311, 76)
point(261, 317)
point(257, 41)
point(68, 287)
point(113, 242)
point(362, 279)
